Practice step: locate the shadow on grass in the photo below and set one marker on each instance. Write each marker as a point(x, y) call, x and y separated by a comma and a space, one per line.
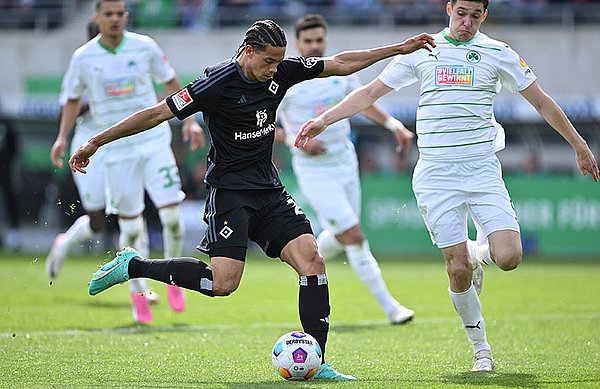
point(276, 383)
point(481, 378)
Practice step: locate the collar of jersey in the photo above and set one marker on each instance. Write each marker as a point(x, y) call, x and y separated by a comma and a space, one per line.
point(117, 49)
point(241, 72)
point(454, 41)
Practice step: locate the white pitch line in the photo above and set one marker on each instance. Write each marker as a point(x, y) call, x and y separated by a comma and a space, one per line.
point(225, 327)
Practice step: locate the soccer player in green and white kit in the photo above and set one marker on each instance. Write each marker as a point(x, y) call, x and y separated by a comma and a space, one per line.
point(458, 172)
point(116, 70)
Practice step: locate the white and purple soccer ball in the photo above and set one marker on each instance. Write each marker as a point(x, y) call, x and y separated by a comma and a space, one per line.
point(296, 356)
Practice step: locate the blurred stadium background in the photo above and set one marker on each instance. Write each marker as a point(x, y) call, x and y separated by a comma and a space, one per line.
point(559, 210)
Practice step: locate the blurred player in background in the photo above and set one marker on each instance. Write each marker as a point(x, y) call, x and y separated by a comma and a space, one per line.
point(327, 168)
point(458, 172)
point(246, 199)
point(116, 69)
point(92, 191)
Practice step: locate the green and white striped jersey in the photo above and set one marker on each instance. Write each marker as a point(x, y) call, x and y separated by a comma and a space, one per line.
point(459, 81)
point(118, 83)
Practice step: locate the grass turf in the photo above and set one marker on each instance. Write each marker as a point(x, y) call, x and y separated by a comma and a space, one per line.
point(542, 320)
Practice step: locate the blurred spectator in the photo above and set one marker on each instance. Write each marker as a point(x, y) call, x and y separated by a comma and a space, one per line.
point(8, 154)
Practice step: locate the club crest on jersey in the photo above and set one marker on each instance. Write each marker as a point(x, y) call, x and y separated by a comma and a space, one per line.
point(182, 99)
point(309, 62)
point(226, 232)
point(473, 56)
point(273, 86)
point(261, 117)
point(454, 75)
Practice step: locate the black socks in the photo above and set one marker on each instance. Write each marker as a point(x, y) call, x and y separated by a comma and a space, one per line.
point(313, 306)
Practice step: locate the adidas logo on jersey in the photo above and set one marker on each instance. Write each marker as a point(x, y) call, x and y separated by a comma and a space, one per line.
point(242, 100)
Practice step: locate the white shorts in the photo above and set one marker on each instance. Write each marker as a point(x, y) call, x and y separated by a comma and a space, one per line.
point(155, 172)
point(446, 192)
point(91, 186)
point(334, 193)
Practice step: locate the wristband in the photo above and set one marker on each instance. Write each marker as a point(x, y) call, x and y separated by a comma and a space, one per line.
point(392, 124)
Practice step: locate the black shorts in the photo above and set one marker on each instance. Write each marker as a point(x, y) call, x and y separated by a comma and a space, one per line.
point(268, 217)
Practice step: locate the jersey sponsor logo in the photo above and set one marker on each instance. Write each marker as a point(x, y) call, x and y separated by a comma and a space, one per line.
point(309, 62)
point(273, 87)
point(297, 209)
point(182, 99)
point(254, 134)
point(119, 87)
point(473, 56)
point(454, 75)
point(261, 117)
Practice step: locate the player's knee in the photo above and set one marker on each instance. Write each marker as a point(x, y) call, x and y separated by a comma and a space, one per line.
point(459, 268)
point(313, 262)
point(97, 221)
point(224, 288)
point(170, 218)
point(507, 259)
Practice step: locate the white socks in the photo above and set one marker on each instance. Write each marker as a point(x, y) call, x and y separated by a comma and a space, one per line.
point(479, 253)
point(329, 247)
point(368, 271)
point(468, 307)
point(79, 232)
point(131, 233)
point(172, 230)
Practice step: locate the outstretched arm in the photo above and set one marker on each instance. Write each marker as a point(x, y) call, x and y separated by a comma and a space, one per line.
point(136, 123)
point(357, 101)
point(191, 129)
point(69, 113)
point(555, 116)
point(348, 62)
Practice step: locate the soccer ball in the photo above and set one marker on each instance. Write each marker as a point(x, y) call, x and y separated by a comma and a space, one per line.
point(296, 356)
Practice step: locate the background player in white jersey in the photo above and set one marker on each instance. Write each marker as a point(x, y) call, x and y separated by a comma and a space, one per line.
point(116, 69)
point(327, 168)
point(92, 191)
point(458, 172)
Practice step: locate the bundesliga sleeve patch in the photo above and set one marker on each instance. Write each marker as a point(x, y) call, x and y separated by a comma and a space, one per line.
point(182, 99)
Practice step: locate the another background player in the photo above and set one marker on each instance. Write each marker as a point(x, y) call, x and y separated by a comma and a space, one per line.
point(458, 172)
point(327, 167)
point(246, 199)
point(116, 69)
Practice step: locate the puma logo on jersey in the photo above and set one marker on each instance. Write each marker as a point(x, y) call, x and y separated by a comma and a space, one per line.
point(434, 55)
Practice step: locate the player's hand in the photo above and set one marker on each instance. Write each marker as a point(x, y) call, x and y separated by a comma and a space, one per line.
point(58, 151)
point(586, 162)
point(81, 157)
point(193, 132)
point(404, 138)
point(422, 41)
point(309, 130)
point(314, 147)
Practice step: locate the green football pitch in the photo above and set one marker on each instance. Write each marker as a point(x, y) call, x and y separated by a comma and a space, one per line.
point(542, 320)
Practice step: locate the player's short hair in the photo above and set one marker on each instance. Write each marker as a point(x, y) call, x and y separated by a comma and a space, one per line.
point(484, 2)
point(262, 33)
point(99, 3)
point(309, 21)
point(92, 29)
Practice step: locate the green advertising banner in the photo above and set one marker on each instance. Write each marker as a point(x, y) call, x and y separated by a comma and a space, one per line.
point(558, 215)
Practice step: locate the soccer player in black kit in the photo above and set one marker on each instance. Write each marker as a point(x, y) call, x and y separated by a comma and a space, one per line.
point(246, 199)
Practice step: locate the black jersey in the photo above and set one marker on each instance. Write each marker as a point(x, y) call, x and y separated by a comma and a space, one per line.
point(240, 116)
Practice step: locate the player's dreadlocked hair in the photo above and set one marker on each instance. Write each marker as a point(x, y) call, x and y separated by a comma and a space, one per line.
point(262, 33)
